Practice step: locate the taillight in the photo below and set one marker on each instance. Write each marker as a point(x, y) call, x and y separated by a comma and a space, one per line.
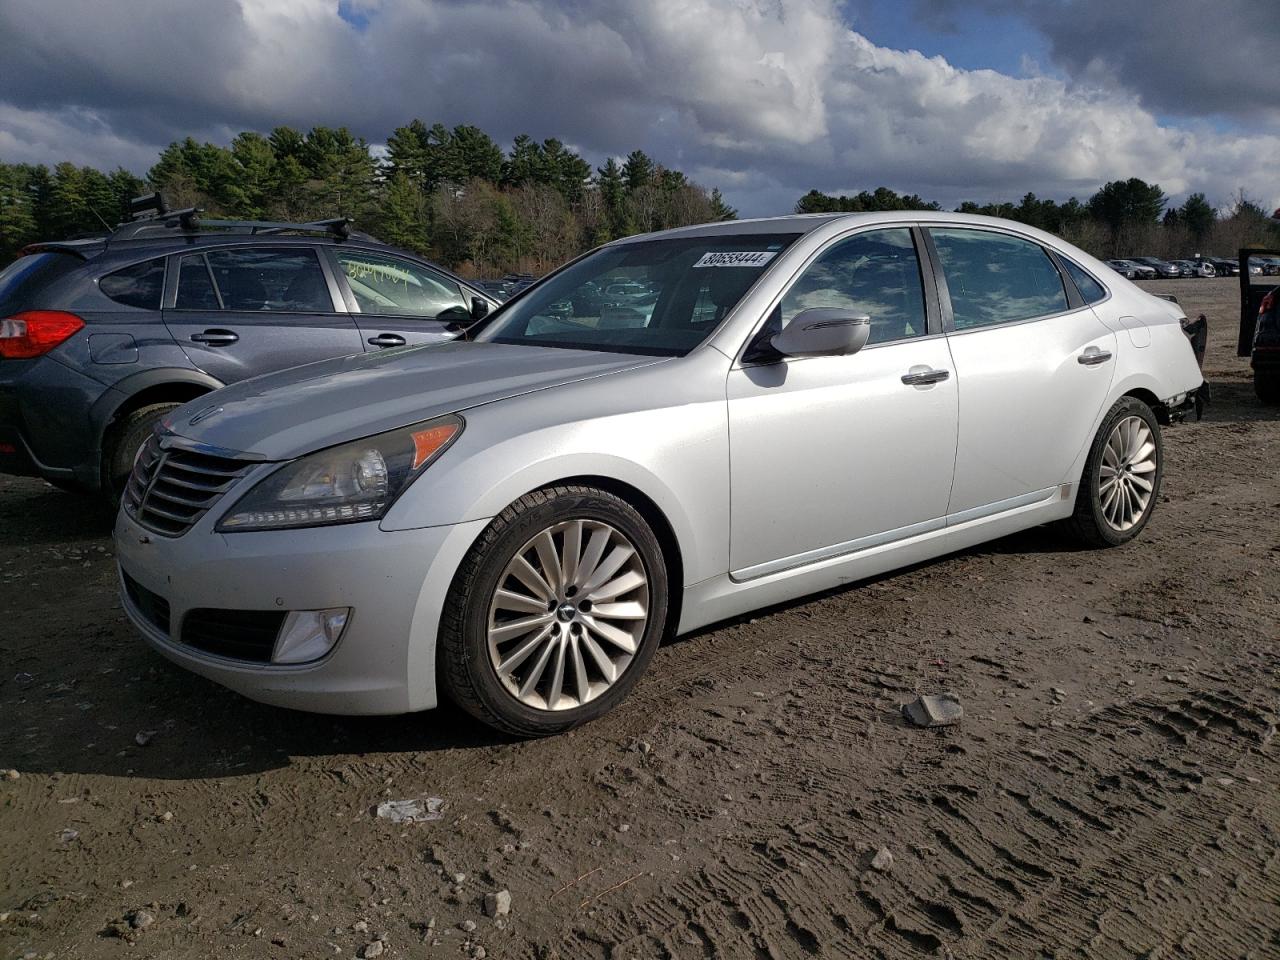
point(1268, 302)
point(33, 333)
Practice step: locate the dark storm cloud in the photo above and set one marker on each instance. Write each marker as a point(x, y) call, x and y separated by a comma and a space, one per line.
point(1188, 58)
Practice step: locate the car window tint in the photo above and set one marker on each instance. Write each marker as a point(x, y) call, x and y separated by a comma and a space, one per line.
point(1090, 289)
point(275, 280)
point(875, 274)
point(195, 288)
point(995, 278)
point(389, 286)
point(140, 285)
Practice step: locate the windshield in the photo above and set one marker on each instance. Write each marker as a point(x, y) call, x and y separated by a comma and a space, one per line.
point(660, 297)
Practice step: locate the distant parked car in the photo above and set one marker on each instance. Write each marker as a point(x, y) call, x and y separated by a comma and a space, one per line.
point(1163, 268)
point(101, 338)
point(1195, 268)
point(1144, 272)
point(1130, 271)
point(1225, 267)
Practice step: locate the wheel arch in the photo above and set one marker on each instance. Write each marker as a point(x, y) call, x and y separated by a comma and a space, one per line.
point(163, 385)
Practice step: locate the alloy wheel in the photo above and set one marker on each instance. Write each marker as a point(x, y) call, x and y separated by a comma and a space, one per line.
point(1125, 479)
point(568, 614)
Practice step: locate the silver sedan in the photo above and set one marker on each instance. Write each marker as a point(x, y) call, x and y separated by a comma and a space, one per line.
point(671, 430)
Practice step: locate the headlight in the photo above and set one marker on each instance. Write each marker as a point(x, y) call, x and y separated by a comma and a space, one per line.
point(344, 484)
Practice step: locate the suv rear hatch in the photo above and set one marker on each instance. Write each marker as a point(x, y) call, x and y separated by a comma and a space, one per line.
point(22, 284)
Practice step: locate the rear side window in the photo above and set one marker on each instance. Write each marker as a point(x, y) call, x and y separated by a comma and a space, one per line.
point(140, 285)
point(1090, 289)
point(27, 277)
point(195, 285)
point(288, 281)
point(994, 278)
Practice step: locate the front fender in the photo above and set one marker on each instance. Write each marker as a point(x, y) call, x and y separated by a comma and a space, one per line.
point(677, 458)
point(112, 400)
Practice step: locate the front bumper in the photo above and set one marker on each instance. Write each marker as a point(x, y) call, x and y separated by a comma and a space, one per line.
point(395, 583)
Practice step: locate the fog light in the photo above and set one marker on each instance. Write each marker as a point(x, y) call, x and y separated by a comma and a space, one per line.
point(309, 634)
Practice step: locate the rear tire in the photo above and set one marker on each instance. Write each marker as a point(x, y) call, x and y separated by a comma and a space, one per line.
point(1121, 480)
point(1267, 387)
point(122, 448)
point(555, 612)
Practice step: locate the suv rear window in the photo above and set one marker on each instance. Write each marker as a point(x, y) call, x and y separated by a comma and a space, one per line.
point(27, 276)
point(140, 285)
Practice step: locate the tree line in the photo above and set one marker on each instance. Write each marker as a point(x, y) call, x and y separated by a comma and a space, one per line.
point(1123, 218)
point(452, 195)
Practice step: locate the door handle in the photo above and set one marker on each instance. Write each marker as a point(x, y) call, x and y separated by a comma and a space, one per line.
point(386, 340)
point(216, 338)
point(1092, 356)
point(925, 377)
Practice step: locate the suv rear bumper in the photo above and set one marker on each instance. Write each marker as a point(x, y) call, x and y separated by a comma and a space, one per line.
point(44, 421)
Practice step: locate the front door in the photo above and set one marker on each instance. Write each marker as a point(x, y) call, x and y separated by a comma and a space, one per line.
point(1034, 369)
point(832, 455)
point(398, 302)
point(242, 311)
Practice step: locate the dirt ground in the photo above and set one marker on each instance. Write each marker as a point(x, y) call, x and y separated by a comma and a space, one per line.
point(1111, 792)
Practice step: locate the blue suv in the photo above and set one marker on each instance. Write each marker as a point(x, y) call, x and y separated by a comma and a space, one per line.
point(101, 337)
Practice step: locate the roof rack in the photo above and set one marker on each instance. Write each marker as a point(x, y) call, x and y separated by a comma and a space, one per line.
point(187, 221)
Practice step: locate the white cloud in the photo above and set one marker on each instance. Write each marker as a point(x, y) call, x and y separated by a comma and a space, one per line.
point(766, 98)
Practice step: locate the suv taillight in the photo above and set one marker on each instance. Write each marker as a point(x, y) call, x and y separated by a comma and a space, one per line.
point(33, 333)
point(1267, 303)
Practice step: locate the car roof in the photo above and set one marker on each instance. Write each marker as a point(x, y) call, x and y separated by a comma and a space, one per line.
point(803, 223)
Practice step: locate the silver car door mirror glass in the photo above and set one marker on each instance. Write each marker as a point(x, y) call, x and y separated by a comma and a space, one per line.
point(823, 332)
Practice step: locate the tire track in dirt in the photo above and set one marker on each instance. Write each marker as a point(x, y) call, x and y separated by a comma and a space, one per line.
point(1126, 846)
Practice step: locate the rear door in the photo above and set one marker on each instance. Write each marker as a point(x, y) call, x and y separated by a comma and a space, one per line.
point(1034, 364)
point(242, 311)
point(396, 301)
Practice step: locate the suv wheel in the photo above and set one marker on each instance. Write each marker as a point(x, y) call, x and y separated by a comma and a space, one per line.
point(555, 612)
point(122, 448)
point(1121, 479)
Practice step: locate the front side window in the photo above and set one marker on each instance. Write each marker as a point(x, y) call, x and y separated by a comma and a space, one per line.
point(140, 285)
point(874, 274)
point(995, 278)
point(658, 297)
point(389, 286)
point(249, 280)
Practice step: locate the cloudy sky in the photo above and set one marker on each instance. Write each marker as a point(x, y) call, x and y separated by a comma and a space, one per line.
point(952, 99)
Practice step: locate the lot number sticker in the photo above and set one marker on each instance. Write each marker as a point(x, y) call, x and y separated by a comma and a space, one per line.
point(747, 258)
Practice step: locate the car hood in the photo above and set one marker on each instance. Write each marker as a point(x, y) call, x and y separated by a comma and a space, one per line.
point(286, 414)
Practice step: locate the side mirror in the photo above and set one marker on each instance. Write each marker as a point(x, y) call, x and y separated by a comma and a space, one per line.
point(479, 308)
point(823, 332)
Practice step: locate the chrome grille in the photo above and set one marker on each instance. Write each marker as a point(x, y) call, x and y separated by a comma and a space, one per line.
point(171, 487)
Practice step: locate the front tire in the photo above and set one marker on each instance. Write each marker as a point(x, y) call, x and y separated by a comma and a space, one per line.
point(1121, 480)
point(554, 613)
